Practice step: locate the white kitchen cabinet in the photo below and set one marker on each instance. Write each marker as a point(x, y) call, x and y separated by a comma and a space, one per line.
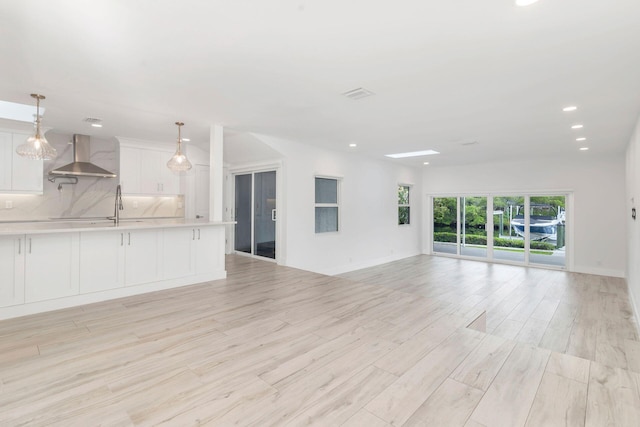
point(142, 256)
point(101, 260)
point(51, 266)
point(130, 170)
point(178, 250)
point(12, 268)
point(18, 174)
point(209, 249)
point(145, 171)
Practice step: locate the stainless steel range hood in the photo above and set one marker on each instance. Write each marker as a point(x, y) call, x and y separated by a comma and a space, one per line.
point(81, 165)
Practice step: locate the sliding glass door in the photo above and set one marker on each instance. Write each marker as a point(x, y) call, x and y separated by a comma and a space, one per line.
point(255, 213)
point(520, 229)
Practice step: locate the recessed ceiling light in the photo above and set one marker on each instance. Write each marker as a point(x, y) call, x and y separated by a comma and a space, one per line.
point(96, 125)
point(353, 145)
point(581, 139)
point(412, 154)
point(425, 163)
point(570, 108)
point(186, 139)
point(525, 2)
point(584, 148)
point(577, 127)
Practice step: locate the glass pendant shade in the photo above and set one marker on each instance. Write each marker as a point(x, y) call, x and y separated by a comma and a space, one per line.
point(179, 162)
point(37, 147)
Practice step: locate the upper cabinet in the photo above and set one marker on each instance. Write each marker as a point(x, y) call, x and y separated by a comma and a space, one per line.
point(18, 174)
point(144, 171)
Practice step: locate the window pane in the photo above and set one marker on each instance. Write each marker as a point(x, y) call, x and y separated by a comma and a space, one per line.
point(445, 223)
point(326, 220)
point(403, 195)
point(547, 230)
point(326, 190)
point(403, 215)
point(473, 241)
point(508, 228)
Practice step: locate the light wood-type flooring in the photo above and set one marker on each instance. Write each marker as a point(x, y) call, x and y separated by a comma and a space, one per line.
point(386, 346)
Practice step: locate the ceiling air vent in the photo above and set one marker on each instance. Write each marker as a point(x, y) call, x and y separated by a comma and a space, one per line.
point(358, 93)
point(469, 143)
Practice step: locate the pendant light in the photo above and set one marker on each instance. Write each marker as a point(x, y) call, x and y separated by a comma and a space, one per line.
point(36, 147)
point(179, 162)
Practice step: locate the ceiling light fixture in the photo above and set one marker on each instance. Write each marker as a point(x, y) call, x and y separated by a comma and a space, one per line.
point(37, 147)
point(577, 127)
point(569, 108)
point(179, 162)
point(352, 145)
point(581, 139)
point(525, 2)
point(186, 139)
point(412, 154)
point(584, 148)
point(425, 163)
point(96, 125)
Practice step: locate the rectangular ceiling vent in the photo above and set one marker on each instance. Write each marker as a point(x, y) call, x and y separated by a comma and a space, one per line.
point(358, 93)
point(469, 143)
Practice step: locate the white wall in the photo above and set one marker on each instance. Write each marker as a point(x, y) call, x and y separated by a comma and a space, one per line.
point(196, 156)
point(369, 232)
point(597, 183)
point(633, 227)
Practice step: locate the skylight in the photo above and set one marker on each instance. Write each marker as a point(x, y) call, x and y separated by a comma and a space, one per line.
point(412, 154)
point(19, 112)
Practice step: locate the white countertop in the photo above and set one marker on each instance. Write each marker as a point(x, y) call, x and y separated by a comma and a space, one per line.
point(7, 229)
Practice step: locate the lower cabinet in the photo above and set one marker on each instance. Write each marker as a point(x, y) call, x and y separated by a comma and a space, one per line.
point(209, 249)
point(101, 261)
point(141, 261)
point(12, 268)
point(178, 251)
point(51, 266)
point(41, 267)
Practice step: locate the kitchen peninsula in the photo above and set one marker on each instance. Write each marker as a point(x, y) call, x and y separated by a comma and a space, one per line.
point(53, 265)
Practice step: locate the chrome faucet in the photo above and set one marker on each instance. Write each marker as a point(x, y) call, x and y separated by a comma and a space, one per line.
point(118, 206)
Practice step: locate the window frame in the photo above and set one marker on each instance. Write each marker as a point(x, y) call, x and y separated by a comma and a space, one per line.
point(336, 205)
point(404, 205)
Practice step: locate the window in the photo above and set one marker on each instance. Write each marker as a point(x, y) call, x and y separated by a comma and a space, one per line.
point(326, 205)
point(404, 209)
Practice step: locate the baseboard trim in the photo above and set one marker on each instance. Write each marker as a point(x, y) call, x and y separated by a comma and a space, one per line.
point(333, 271)
point(600, 271)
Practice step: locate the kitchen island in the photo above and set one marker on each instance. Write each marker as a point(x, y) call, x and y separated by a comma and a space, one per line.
point(53, 265)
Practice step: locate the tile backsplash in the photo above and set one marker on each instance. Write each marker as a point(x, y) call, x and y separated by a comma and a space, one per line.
point(90, 197)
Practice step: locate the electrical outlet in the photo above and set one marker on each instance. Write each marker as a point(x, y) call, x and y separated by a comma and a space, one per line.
point(179, 205)
point(8, 204)
point(135, 204)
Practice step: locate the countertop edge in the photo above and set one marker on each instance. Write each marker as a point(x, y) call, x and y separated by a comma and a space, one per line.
point(47, 228)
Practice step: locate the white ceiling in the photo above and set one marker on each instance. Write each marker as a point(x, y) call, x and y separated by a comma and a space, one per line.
point(444, 72)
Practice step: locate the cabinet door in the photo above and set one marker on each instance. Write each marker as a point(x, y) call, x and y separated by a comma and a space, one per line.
point(150, 164)
point(12, 268)
point(141, 265)
point(51, 266)
point(209, 249)
point(101, 261)
point(170, 180)
point(27, 174)
point(130, 170)
point(6, 157)
point(178, 248)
